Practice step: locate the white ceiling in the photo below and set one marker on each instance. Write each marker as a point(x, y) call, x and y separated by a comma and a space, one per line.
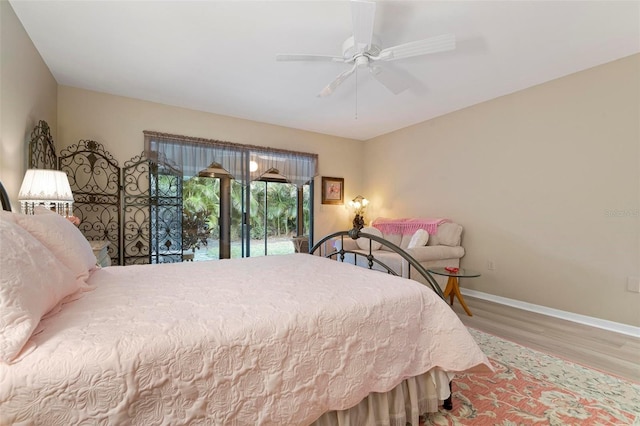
point(219, 56)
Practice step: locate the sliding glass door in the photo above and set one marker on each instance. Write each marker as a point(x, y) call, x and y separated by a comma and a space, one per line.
point(274, 220)
point(219, 222)
point(238, 200)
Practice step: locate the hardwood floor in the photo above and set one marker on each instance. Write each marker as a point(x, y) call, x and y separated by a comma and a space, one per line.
point(610, 352)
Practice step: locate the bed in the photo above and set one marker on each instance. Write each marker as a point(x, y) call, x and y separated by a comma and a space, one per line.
point(279, 340)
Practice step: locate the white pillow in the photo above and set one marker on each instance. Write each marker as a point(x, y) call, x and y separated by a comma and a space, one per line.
point(363, 243)
point(63, 239)
point(420, 238)
point(32, 282)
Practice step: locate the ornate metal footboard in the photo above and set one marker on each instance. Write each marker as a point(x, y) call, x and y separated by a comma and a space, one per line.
point(354, 234)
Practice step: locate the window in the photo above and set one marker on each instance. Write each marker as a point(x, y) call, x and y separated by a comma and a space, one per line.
point(238, 200)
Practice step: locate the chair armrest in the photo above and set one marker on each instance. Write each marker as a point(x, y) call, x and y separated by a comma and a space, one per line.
point(439, 252)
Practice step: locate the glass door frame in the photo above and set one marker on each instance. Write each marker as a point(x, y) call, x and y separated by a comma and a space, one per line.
point(246, 214)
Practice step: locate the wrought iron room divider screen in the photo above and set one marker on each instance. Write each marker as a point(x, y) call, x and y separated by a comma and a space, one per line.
point(137, 207)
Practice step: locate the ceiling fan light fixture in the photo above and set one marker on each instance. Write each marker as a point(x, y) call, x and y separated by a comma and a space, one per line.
point(362, 61)
point(350, 50)
point(363, 49)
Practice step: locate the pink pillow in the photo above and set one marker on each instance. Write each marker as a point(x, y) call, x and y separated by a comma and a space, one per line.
point(32, 282)
point(8, 216)
point(63, 239)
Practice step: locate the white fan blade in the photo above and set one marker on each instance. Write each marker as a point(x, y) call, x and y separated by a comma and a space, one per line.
point(441, 43)
point(393, 81)
point(337, 82)
point(362, 15)
point(314, 58)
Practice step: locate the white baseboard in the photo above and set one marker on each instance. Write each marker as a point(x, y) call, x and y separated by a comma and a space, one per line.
point(569, 316)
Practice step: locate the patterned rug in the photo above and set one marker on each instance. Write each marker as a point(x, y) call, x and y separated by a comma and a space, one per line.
point(533, 388)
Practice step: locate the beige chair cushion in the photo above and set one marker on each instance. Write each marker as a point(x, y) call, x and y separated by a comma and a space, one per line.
point(363, 243)
point(392, 238)
point(449, 234)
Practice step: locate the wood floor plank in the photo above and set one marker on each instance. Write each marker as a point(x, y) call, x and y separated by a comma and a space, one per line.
point(613, 353)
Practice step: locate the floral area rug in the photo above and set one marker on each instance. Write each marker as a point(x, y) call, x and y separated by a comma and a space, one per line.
point(533, 388)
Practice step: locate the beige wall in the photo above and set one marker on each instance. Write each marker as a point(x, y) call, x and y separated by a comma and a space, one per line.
point(546, 182)
point(118, 122)
point(28, 93)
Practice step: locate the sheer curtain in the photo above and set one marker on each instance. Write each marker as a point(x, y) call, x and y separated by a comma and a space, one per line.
point(192, 155)
point(297, 168)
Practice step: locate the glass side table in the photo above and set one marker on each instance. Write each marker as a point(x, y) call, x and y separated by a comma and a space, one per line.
point(453, 286)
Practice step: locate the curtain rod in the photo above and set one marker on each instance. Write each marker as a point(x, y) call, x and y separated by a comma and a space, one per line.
point(203, 141)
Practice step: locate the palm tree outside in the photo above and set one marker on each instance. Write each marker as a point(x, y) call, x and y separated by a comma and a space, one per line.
point(273, 217)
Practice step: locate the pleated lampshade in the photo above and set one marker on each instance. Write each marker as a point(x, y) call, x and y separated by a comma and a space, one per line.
point(46, 187)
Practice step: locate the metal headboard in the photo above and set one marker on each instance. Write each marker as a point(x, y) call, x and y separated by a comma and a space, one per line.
point(4, 198)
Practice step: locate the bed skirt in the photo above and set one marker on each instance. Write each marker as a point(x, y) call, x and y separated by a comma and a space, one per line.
point(401, 405)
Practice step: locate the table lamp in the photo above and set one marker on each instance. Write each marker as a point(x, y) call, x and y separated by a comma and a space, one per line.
point(49, 188)
point(359, 205)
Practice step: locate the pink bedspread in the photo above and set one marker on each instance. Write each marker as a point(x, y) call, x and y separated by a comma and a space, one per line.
point(407, 226)
point(273, 340)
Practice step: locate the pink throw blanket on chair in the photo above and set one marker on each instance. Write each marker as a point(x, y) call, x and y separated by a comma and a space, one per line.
point(407, 226)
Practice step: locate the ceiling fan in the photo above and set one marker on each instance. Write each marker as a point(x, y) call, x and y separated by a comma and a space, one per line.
point(363, 49)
